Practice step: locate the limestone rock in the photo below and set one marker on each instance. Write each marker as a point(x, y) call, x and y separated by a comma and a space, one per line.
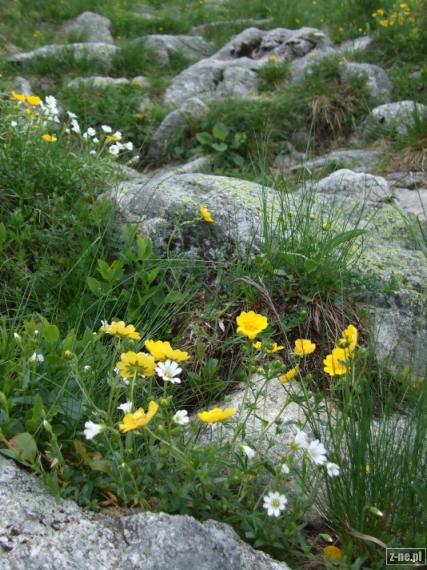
point(358, 160)
point(232, 71)
point(176, 120)
point(377, 82)
point(101, 53)
point(39, 531)
point(89, 27)
point(357, 185)
point(398, 115)
point(192, 48)
point(357, 44)
point(413, 201)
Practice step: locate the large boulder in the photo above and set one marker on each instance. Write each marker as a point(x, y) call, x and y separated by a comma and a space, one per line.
point(398, 116)
point(232, 71)
point(96, 52)
point(376, 79)
point(167, 207)
point(163, 46)
point(89, 27)
point(356, 159)
point(39, 531)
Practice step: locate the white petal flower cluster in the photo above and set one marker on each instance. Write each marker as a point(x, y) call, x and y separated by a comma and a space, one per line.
point(169, 371)
point(275, 503)
point(49, 108)
point(181, 418)
point(315, 451)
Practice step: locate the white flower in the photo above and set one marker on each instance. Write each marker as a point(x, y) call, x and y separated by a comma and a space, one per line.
point(181, 418)
point(126, 407)
point(71, 115)
point(118, 136)
point(16, 336)
point(87, 368)
point(13, 123)
point(106, 129)
point(248, 451)
point(85, 136)
point(114, 149)
point(37, 357)
point(128, 145)
point(92, 430)
point(169, 371)
point(95, 140)
point(332, 469)
point(91, 132)
point(275, 503)
point(300, 440)
point(75, 127)
point(36, 332)
point(285, 469)
point(316, 452)
point(92, 152)
point(105, 324)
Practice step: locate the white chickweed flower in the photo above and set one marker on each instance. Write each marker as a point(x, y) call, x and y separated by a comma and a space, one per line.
point(126, 407)
point(117, 136)
point(181, 418)
point(275, 503)
point(169, 371)
point(13, 124)
point(75, 127)
point(91, 132)
point(300, 440)
point(16, 336)
point(285, 469)
point(71, 115)
point(128, 145)
point(248, 451)
point(92, 429)
point(114, 149)
point(92, 152)
point(107, 129)
point(332, 469)
point(316, 452)
point(37, 357)
point(87, 368)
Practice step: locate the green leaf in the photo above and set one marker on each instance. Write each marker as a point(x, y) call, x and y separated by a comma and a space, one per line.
point(23, 448)
point(342, 238)
point(219, 147)
point(35, 415)
point(310, 265)
point(51, 333)
point(220, 131)
point(204, 138)
point(144, 247)
point(95, 286)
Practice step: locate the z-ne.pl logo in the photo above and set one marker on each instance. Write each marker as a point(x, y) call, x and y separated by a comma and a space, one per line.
point(406, 556)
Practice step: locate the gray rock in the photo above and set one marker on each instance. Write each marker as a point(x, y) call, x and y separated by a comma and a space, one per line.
point(357, 44)
point(303, 66)
point(358, 160)
point(413, 202)
point(357, 185)
point(398, 115)
point(102, 82)
point(232, 71)
point(89, 27)
point(377, 82)
point(22, 85)
point(172, 123)
point(192, 48)
point(38, 531)
point(98, 52)
point(409, 180)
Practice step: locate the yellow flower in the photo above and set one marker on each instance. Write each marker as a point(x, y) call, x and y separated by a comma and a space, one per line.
point(326, 227)
point(303, 346)
point(367, 469)
point(333, 552)
point(119, 328)
point(335, 363)
point(250, 324)
point(163, 351)
point(270, 348)
point(289, 375)
point(216, 415)
point(33, 100)
point(272, 58)
point(139, 418)
point(206, 215)
point(132, 364)
point(349, 338)
point(49, 138)
point(68, 354)
point(17, 96)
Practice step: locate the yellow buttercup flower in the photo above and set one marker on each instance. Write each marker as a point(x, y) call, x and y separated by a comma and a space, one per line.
point(133, 364)
point(161, 351)
point(206, 215)
point(270, 348)
point(349, 338)
point(272, 58)
point(33, 100)
point(139, 418)
point(17, 96)
point(332, 552)
point(251, 324)
point(119, 328)
point(335, 363)
point(289, 375)
point(216, 415)
point(367, 469)
point(49, 138)
point(304, 346)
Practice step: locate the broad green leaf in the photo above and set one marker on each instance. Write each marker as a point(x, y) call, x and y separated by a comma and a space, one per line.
point(51, 333)
point(144, 247)
point(219, 147)
point(24, 447)
point(204, 138)
point(220, 131)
